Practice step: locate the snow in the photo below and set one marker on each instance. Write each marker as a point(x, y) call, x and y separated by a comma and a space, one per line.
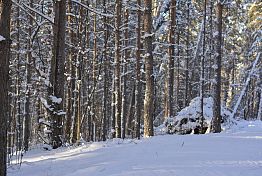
point(1, 38)
point(192, 113)
point(54, 99)
point(235, 152)
point(193, 110)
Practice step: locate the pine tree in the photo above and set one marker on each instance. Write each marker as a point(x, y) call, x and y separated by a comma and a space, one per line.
point(216, 121)
point(5, 13)
point(56, 91)
point(149, 92)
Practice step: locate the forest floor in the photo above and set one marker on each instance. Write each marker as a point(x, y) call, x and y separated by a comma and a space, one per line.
point(235, 152)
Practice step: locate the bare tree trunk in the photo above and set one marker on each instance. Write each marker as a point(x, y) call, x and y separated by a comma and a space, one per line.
point(124, 78)
point(178, 104)
point(216, 121)
point(149, 92)
point(28, 91)
point(169, 110)
point(130, 117)
point(18, 115)
point(113, 109)
point(92, 122)
point(118, 6)
point(77, 91)
point(186, 101)
point(106, 76)
point(5, 11)
point(202, 78)
point(138, 85)
point(56, 91)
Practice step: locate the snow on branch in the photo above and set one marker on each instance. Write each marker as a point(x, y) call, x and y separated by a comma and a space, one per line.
point(54, 99)
point(51, 20)
point(161, 18)
point(91, 9)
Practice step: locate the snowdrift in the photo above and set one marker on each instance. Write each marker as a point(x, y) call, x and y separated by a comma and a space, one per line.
point(188, 119)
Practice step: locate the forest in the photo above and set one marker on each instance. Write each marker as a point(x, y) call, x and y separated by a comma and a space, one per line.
point(73, 72)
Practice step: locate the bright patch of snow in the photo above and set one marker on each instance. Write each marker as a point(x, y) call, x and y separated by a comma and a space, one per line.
point(234, 152)
point(54, 99)
point(1, 38)
point(193, 110)
point(188, 118)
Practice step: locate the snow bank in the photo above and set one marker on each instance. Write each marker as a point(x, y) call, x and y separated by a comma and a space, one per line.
point(235, 153)
point(188, 119)
point(193, 110)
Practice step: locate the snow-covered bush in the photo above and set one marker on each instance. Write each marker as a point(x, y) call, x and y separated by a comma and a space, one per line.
point(188, 120)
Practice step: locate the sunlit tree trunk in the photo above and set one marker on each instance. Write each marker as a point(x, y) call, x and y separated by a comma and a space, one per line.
point(149, 92)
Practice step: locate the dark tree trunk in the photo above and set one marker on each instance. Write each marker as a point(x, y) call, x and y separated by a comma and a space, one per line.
point(124, 78)
point(202, 78)
point(169, 109)
point(216, 121)
point(5, 11)
point(27, 129)
point(117, 69)
point(57, 73)
point(138, 85)
point(106, 76)
point(186, 101)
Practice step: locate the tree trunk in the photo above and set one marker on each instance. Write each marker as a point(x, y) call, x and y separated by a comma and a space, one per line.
point(216, 121)
point(138, 85)
point(149, 92)
point(5, 11)
point(202, 78)
point(57, 73)
point(118, 6)
point(169, 109)
point(106, 76)
point(186, 101)
point(28, 91)
point(124, 78)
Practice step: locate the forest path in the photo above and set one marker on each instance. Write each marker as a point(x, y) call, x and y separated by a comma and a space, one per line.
point(233, 153)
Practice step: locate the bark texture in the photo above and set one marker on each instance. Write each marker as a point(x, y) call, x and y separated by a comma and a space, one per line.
point(216, 122)
point(149, 92)
point(5, 11)
point(57, 72)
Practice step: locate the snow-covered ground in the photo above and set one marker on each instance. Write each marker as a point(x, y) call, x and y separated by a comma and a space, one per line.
point(236, 152)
